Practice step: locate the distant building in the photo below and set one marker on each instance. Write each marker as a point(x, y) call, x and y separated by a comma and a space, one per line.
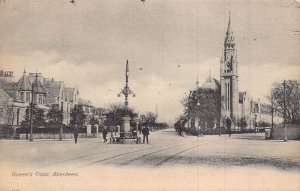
point(7, 76)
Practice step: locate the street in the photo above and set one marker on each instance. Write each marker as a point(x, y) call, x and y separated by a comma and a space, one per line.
point(241, 162)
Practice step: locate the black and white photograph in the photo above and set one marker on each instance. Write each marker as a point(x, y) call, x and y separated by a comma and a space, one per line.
point(150, 95)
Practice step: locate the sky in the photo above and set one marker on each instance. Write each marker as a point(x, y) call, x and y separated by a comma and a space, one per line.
point(167, 43)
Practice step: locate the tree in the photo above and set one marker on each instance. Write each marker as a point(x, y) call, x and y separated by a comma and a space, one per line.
point(38, 117)
point(10, 116)
point(93, 121)
point(116, 112)
point(292, 114)
point(150, 119)
point(38, 120)
point(77, 116)
point(242, 122)
point(203, 104)
point(54, 116)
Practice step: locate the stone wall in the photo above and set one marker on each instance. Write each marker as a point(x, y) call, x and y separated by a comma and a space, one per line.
point(293, 132)
point(56, 136)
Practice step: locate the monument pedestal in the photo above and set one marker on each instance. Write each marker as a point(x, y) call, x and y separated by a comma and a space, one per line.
point(125, 124)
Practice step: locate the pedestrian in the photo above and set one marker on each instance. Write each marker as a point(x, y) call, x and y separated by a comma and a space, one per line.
point(140, 129)
point(75, 131)
point(229, 131)
point(145, 132)
point(104, 133)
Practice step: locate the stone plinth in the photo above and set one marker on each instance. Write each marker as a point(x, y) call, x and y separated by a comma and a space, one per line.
point(125, 127)
point(88, 129)
point(97, 127)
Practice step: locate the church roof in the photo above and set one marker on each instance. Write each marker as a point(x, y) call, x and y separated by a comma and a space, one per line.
point(211, 83)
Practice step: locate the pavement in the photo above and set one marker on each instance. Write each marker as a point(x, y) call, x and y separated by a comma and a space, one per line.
point(168, 162)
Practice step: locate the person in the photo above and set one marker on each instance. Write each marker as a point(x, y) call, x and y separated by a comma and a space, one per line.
point(145, 132)
point(134, 132)
point(76, 130)
point(140, 129)
point(104, 133)
point(229, 131)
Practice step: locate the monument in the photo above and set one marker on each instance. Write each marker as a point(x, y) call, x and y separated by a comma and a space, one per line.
point(125, 126)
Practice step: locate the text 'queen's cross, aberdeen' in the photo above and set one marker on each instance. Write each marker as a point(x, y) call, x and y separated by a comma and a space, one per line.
point(126, 91)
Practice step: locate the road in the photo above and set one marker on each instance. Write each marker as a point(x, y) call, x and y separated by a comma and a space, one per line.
point(170, 162)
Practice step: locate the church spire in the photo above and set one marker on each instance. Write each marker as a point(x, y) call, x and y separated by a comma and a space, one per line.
point(229, 39)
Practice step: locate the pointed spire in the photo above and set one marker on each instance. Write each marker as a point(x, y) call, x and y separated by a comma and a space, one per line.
point(24, 83)
point(38, 87)
point(209, 75)
point(229, 39)
point(197, 82)
point(229, 25)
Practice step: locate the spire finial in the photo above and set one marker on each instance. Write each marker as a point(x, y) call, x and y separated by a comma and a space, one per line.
point(197, 82)
point(209, 74)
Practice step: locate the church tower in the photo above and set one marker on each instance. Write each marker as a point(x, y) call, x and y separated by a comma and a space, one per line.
point(229, 79)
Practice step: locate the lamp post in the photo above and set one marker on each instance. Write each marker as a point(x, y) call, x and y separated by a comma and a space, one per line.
point(62, 120)
point(198, 105)
point(31, 113)
point(284, 115)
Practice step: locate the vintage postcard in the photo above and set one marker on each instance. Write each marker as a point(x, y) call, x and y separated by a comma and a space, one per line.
point(149, 95)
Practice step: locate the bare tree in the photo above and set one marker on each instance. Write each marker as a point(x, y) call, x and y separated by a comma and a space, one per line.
point(292, 101)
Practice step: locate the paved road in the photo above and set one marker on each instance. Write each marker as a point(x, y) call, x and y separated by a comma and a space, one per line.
point(200, 158)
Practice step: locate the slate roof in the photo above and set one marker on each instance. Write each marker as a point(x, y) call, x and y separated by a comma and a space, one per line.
point(24, 84)
point(39, 88)
point(8, 87)
point(54, 87)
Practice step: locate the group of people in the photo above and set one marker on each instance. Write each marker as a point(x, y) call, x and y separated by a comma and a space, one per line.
point(144, 130)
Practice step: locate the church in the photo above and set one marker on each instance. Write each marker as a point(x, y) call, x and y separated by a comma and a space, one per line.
point(235, 108)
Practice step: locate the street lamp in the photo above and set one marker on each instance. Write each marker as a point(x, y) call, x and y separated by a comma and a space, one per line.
point(198, 105)
point(31, 113)
point(62, 120)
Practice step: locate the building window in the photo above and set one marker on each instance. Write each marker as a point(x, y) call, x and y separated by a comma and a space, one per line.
point(40, 99)
point(18, 116)
point(27, 96)
point(23, 96)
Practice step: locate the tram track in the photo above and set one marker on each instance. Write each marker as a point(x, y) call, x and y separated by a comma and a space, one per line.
point(145, 155)
point(104, 152)
point(140, 157)
point(182, 151)
point(136, 151)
